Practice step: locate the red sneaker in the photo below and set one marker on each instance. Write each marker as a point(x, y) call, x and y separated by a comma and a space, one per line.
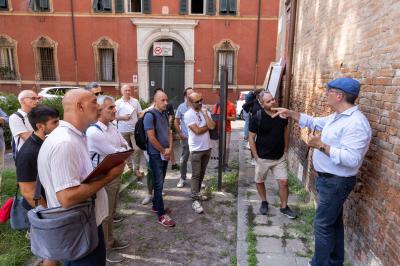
point(166, 221)
point(167, 210)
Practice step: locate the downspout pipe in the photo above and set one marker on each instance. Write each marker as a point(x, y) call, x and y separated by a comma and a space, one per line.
point(257, 44)
point(289, 64)
point(74, 41)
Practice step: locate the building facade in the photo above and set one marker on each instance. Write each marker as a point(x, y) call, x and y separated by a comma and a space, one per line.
point(357, 39)
point(51, 43)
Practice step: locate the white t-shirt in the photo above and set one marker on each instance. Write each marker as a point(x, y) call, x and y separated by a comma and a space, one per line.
point(17, 127)
point(197, 142)
point(132, 108)
point(64, 162)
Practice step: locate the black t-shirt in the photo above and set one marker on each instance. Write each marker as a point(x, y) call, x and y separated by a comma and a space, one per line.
point(270, 141)
point(170, 109)
point(26, 163)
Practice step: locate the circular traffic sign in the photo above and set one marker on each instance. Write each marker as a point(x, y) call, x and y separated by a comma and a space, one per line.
point(158, 50)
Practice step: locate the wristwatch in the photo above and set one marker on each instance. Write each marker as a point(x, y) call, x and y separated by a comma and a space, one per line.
point(322, 148)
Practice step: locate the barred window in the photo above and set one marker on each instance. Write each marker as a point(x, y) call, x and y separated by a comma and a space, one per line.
point(227, 7)
point(7, 64)
point(107, 64)
point(39, 5)
point(226, 59)
point(102, 6)
point(134, 5)
point(47, 66)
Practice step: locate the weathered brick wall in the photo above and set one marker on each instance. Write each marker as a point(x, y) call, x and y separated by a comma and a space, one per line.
point(358, 39)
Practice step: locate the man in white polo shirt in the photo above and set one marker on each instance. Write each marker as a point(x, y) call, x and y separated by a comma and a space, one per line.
point(199, 122)
point(20, 127)
point(64, 164)
point(128, 113)
point(103, 139)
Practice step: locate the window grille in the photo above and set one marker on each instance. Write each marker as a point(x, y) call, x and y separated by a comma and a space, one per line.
point(47, 66)
point(107, 64)
point(226, 58)
point(7, 65)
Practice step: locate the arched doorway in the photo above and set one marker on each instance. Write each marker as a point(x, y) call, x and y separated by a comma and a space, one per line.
point(174, 73)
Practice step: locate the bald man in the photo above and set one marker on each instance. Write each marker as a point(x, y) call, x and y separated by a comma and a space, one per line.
point(128, 113)
point(64, 164)
point(20, 127)
point(159, 149)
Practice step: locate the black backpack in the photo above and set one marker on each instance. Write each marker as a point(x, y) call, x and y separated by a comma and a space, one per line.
point(140, 133)
point(14, 146)
point(214, 133)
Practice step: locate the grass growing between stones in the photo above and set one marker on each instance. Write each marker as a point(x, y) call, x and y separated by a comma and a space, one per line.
point(305, 210)
point(251, 238)
point(229, 183)
point(14, 247)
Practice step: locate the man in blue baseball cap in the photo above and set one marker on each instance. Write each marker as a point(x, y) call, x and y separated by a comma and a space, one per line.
point(338, 154)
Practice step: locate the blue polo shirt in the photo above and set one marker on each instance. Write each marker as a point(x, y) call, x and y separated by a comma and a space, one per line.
point(161, 127)
point(180, 113)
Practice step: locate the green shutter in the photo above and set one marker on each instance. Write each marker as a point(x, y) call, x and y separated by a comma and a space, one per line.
point(210, 7)
point(232, 6)
point(119, 6)
point(44, 4)
point(3, 3)
point(146, 7)
point(223, 6)
point(95, 5)
point(107, 5)
point(183, 7)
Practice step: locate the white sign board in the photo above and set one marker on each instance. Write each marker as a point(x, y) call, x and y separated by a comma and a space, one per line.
point(162, 49)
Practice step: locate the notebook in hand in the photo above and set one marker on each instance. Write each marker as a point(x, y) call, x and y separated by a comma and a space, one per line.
point(110, 161)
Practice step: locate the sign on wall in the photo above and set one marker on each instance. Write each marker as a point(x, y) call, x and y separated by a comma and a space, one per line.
point(162, 49)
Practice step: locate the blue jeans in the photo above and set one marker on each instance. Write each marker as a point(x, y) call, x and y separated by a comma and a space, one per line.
point(246, 117)
point(159, 170)
point(328, 222)
point(97, 257)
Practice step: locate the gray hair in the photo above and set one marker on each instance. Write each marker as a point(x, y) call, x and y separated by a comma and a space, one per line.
point(91, 85)
point(24, 94)
point(264, 93)
point(102, 98)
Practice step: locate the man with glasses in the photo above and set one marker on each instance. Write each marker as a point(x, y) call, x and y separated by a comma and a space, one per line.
point(95, 88)
point(20, 127)
point(338, 155)
point(199, 122)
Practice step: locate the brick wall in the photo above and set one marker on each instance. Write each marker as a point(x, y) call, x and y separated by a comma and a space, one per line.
point(358, 39)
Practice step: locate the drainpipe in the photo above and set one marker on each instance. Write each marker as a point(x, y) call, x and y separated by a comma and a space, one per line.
point(74, 41)
point(257, 44)
point(289, 65)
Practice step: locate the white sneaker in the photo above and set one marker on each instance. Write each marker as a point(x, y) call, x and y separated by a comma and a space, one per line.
point(196, 206)
point(253, 162)
point(181, 183)
point(146, 199)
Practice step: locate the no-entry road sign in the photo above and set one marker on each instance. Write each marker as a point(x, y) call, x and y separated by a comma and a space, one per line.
point(162, 49)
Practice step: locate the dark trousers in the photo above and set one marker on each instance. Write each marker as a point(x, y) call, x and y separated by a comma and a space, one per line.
point(328, 222)
point(97, 257)
point(159, 170)
point(184, 158)
point(199, 165)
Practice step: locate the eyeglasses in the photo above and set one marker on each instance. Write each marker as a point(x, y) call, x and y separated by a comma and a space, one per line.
point(199, 101)
point(98, 93)
point(34, 98)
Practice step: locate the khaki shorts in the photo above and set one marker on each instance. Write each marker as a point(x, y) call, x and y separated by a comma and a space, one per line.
point(277, 167)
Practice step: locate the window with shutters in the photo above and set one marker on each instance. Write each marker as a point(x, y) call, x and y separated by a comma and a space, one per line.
point(45, 54)
point(8, 55)
point(102, 6)
point(225, 54)
point(105, 54)
point(197, 7)
point(134, 6)
point(39, 5)
point(227, 7)
point(4, 6)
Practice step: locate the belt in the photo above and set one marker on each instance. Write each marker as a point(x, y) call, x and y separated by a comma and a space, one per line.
point(328, 175)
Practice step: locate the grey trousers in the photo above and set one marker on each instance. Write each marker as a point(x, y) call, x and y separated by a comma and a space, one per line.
point(184, 158)
point(112, 189)
point(199, 165)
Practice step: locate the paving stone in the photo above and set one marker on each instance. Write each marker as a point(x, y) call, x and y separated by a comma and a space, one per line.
point(294, 245)
point(275, 260)
point(269, 245)
point(261, 219)
point(293, 233)
point(280, 219)
point(268, 230)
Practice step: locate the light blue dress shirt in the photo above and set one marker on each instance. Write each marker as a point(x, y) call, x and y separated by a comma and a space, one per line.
point(180, 113)
point(5, 117)
point(348, 134)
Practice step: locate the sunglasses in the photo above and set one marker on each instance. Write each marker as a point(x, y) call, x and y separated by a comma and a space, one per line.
point(199, 101)
point(99, 93)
